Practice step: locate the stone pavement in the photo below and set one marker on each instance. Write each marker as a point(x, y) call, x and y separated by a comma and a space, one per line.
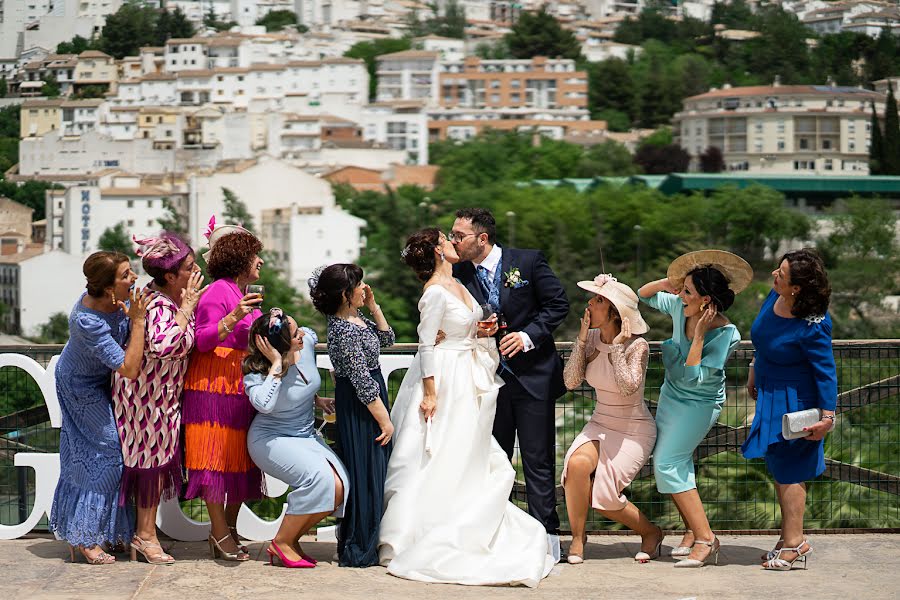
point(843, 566)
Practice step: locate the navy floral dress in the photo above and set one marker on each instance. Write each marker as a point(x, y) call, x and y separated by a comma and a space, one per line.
point(354, 353)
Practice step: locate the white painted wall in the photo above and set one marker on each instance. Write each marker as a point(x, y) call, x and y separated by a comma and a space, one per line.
point(54, 270)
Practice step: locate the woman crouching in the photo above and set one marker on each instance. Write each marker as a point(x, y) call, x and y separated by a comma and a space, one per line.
point(281, 380)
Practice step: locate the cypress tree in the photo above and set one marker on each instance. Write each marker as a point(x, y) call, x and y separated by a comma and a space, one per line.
point(890, 164)
point(876, 147)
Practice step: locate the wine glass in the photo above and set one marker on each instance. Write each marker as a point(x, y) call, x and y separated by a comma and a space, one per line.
point(487, 317)
point(256, 289)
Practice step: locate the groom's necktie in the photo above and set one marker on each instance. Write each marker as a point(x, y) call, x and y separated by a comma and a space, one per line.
point(492, 291)
point(489, 287)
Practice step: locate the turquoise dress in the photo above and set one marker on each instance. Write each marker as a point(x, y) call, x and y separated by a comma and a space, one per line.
point(690, 399)
point(282, 439)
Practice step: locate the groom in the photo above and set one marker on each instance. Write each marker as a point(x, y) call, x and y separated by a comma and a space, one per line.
point(521, 285)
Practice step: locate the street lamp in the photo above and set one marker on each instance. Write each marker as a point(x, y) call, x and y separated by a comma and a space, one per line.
point(511, 224)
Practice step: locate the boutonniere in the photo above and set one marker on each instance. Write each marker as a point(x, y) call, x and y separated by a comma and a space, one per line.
point(514, 279)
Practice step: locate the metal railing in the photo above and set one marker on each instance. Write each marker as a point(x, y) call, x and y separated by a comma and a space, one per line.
point(858, 491)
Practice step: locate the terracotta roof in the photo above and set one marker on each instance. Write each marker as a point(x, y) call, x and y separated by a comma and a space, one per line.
point(787, 90)
point(223, 42)
point(409, 54)
point(193, 73)
point(144, 190)
point(94, 54)
point(342, 60)
point(182, 41)
point(14, 259)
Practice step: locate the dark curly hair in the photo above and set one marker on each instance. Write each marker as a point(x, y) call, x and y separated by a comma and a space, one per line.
point(100, 271)
point(232, 255)
point(334, 287)
point(419, 252)
point(711, 282)
point(482, 221)
point(256, 361)
point(807, 270)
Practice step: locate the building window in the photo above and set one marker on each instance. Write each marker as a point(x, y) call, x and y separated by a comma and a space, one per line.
point(851, 146)
point(828, 165)
point(131, 204)
point(759, 127)
point(780, 145)
point(780, 126)
point(804, 143)
point(826, 144)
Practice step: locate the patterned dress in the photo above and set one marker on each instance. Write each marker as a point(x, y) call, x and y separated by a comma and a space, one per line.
point(148, 409)
point(86, 510)
point(354, 352)
point(215, 409)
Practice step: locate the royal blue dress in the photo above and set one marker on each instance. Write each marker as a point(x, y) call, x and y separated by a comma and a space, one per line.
point(794, 370)
point(86, 509)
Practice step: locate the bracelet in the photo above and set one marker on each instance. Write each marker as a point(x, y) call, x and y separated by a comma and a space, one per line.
point(828, 417)
point(186, 316)
point(222, 321)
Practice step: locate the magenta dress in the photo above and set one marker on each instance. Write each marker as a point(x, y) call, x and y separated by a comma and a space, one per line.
point(148, 409)
point(216, 411)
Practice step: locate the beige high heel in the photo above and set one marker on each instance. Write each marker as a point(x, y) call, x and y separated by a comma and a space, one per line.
point(577, 559)
point(216, 550)
point(101, 559)
point(146, 550)
point(713, 556)
point(237, 540)
point(643, 557)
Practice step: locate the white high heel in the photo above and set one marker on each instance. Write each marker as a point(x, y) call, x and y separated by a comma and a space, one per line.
point(777, 563)
point(682, 551)
point(713, 556)
point(643, 557)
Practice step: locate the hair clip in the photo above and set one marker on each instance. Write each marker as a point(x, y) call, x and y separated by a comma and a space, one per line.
point(404, 252)
point(276, 320)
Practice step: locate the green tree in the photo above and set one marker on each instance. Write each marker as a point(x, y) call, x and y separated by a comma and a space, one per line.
point(90, 91)
point(606, 160)
point(890, 161)
point(116, 239)
point(211, 21)
point(235, 212)
point(876, 146)
point(276, 20)
point(712, 161)
point(369, 53)
point(540, 34)
point(4, 87)
point(172, 220)
point(50, 89)
point(611, 87)
point(452, 23)
point(128, 29)
point(76, 45)
point(735, 14)
point(662, 160)
point(55, 330)
point(863, 260)
point(174, 24)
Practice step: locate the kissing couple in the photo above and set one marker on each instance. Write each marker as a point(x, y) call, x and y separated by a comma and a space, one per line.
point(448, 517)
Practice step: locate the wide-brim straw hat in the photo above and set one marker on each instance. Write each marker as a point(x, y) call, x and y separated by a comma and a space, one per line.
point(735, 269)
point(621, 296)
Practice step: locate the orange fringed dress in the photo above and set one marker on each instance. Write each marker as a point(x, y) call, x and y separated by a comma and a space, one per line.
point(216, 412)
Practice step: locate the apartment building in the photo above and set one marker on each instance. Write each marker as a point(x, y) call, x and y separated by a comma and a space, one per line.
point(803, 129)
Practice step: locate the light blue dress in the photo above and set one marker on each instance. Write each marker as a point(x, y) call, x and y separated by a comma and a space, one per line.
point(690, 399)
point(282, 440)
point(86, 509)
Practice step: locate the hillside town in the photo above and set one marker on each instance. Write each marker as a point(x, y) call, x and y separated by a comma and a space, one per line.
point(279, 116)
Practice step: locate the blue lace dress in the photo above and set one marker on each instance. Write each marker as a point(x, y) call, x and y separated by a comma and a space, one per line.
point(86, 507)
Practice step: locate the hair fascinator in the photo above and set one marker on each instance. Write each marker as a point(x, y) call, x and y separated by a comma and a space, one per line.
point(165, 251)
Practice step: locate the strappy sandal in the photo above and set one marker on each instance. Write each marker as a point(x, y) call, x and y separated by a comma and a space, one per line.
point(777, 563)
point(146, 549)
point(102, 557)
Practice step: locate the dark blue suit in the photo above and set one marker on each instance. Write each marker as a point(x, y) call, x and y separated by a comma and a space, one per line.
point(527, 403)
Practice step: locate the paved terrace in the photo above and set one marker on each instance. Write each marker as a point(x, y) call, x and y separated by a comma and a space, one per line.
point(843, 566)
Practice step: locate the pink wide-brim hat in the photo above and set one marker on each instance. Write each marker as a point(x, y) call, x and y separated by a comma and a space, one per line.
point(215, 233)
point(621, 296)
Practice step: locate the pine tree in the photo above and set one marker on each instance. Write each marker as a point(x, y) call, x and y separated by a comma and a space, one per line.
point(236, 212)
point(116, 239)
point(890, 164)
point(876, 147)
point(172, 220)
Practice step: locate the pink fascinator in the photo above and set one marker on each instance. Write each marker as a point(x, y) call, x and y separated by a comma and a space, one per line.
point(164, 252)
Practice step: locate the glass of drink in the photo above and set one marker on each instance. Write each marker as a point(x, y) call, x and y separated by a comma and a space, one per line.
point(326, 418)
point(256, 289)
point(487, 317)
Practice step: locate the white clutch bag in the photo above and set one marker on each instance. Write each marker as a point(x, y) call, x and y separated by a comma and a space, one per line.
point(792, 424)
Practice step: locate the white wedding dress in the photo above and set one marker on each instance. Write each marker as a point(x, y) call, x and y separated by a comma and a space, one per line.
point(448, 518)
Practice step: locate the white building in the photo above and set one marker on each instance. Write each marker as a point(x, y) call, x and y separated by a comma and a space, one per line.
point(302, 238)
point(25, 279)
point(803, 129)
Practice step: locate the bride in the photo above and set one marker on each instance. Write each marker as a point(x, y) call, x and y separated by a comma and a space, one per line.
point(448, 518)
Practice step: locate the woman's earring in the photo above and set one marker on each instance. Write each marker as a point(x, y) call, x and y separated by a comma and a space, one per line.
point(441, 254)
point(113, 294)
point(703, 306)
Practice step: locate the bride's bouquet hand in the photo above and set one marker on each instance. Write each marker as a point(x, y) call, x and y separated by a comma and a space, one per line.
point(428, 406)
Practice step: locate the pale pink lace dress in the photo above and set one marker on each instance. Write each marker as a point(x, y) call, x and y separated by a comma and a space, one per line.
point(621, 422)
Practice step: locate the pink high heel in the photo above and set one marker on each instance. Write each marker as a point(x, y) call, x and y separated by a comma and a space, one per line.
point(273, 550)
